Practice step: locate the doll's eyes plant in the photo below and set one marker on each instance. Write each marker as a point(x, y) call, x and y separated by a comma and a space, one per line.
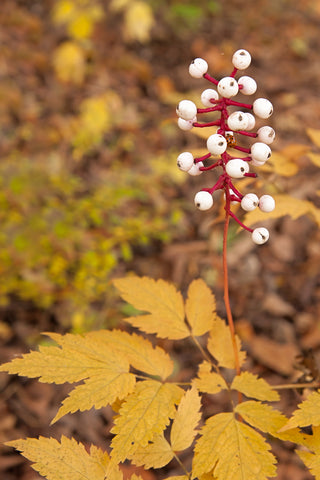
point(230, 126)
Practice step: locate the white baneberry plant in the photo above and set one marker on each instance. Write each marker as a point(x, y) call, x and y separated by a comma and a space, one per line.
point(231, 126)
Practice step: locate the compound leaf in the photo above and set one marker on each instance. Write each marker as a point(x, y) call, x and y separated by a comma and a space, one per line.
point(161, 300)
point(308, 413)
point(232, 449)
point(186, 420)
point(200, 307)
point(143, 416)
point(67, 459)
point(221, 347)
point(208, 381)
point(106, 372)
point(252, 386)
point(155, 454)
point(268, 420)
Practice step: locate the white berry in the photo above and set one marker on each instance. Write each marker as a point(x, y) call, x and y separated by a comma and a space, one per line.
point(249, 85)
point(228, 87)
point(207, 95)
point(266, 134)
point(186, 110)
point(237, 168)
point(195, 169)
point(185, 161)
point(186, 124)
point(237, 121)
point(241, 59)
point(203, 200)
point(267, 203)
point(251, 120)
point(260, 151)
point(198, 67)
point(249, 202)
point(260, 235)
point(262, 107)
point(256, 163)
point(216, 144)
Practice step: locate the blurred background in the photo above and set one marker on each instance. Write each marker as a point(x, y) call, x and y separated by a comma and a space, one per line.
point(89, 187)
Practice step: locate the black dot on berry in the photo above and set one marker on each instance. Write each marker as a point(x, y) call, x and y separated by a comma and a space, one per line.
point(220, 144)
point(242, 169)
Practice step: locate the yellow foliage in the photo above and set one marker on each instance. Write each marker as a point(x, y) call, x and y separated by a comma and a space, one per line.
point(78, 16)
point(186, 421)
point(155, 454)
point(314, 135)
point(143, 416)
point(265, 418)
point(94, 120)
point(69, 62)
point(138, 21)
point(315, 158)
point(312, 458)
point(254, 387)
point(208, 381)
point(161, 300)
point(285, 161)
point(308, 413)
point(221, 347)
point(232, 449)
point(67, 459)
point(200, 307)
point(139, 351)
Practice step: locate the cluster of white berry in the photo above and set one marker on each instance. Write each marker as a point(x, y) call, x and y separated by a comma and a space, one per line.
point(229, 125)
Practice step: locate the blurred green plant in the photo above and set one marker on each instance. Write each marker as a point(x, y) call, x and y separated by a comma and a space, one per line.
point(60, 238)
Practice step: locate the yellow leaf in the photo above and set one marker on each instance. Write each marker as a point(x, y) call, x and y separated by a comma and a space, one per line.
point(143, 416)
point(285, 205)
point(221, 347)
point(308, 413)
point(69, 62)
point(63, 11)
point(268, 420)
point(138, 21)
point(139, 352)
point(315, 158)
point(254, 387)
point(208, 381)
point(283, 165)
point(184, 426)
point(119, 4)
point(232, 449)
point(179, 477)
point(314, 135)
point(78, 358)
point(200, 307)
point(161, 299)
point(67, 459)
point(81, 26)
point(312, 459)
point(155, 454)
point(285, 161)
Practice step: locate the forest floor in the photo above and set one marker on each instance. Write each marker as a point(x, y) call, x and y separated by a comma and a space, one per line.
point(274, 289)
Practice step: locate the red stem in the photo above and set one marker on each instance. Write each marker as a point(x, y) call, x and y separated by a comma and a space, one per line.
point(226, 286)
